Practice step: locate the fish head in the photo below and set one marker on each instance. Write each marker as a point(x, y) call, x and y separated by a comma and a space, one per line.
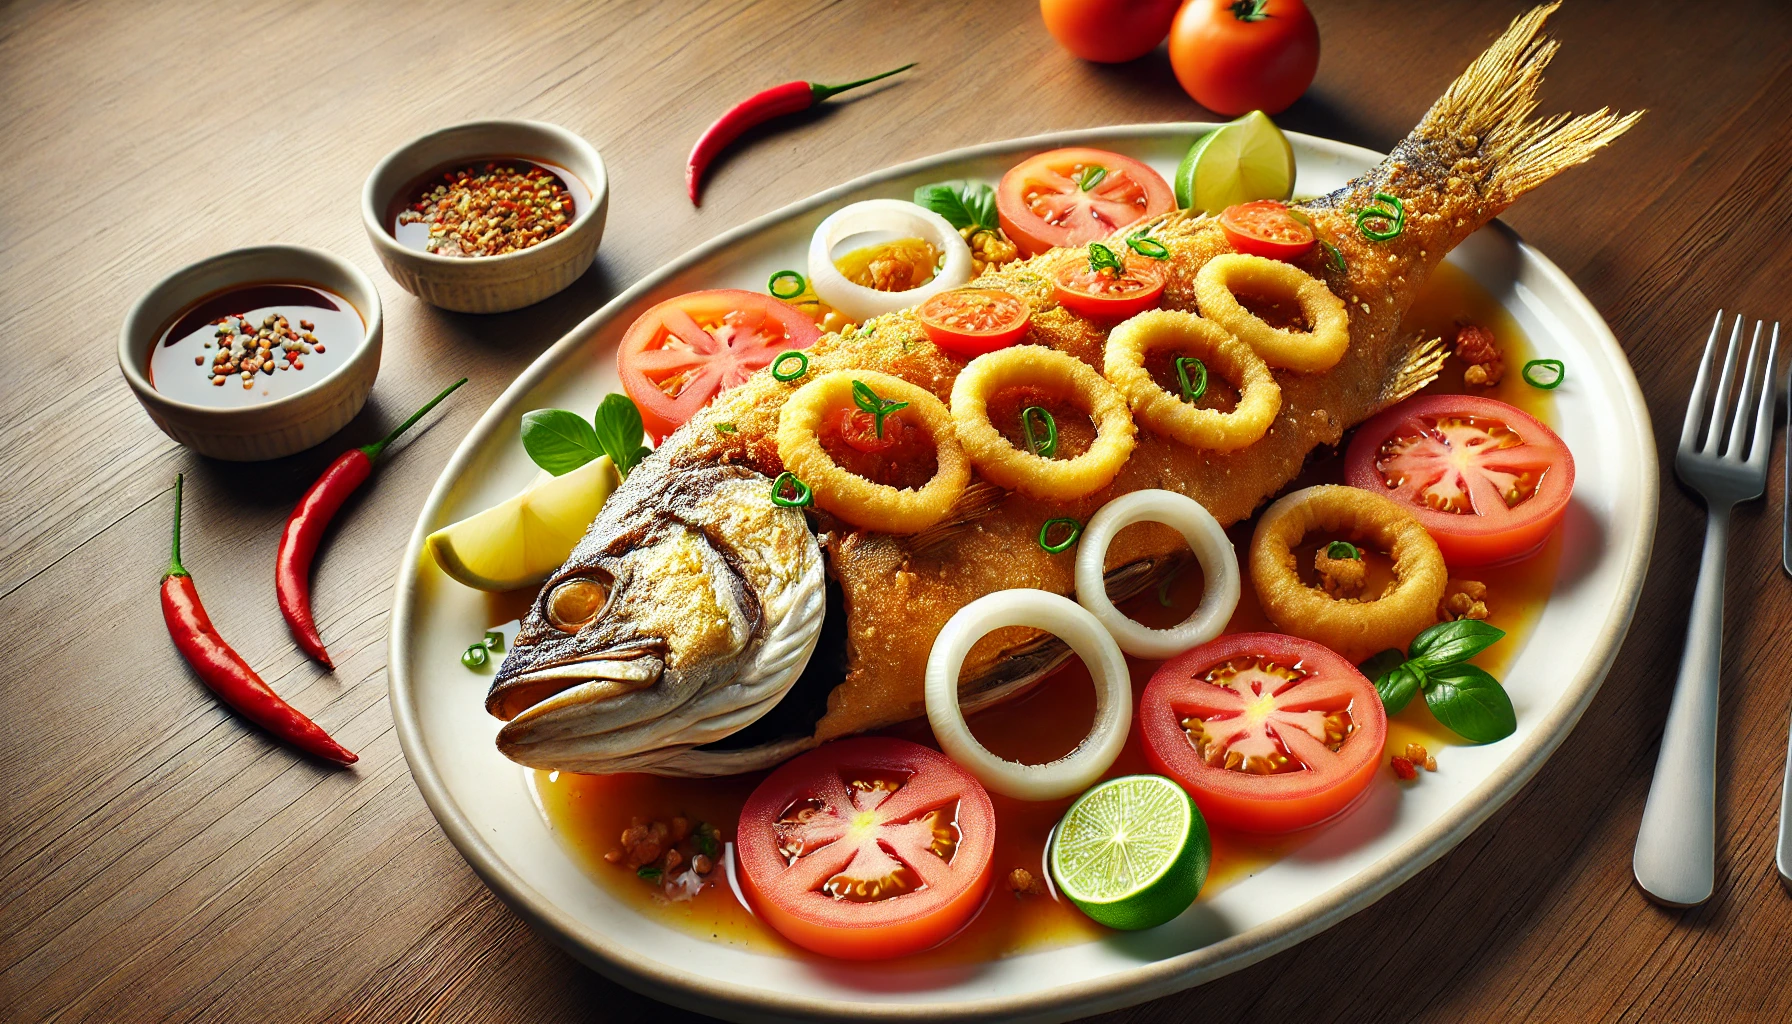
point(686, 611)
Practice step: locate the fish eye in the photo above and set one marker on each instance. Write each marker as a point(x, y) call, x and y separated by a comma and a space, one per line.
point(575, 603)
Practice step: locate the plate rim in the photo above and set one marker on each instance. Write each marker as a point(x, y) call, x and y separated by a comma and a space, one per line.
point(693, 990)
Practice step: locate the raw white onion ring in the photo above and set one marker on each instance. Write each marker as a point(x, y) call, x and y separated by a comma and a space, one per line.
point(1065, 619)
point(1219, 564)
point(910, 221)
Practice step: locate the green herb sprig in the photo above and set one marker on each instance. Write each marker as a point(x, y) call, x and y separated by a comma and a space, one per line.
point(561, 441)
point(1465, 698)
point(964, 204)
point(873, 403)
point(1103, 258)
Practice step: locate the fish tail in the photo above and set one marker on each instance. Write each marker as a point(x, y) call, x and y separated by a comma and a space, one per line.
point(1481, 130)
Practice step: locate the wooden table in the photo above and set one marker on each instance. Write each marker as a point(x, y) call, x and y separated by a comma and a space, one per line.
point(161, 861)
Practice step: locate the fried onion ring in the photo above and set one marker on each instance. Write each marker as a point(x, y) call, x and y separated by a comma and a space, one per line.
point(861, 502)
point(1353, 628)
point(1259, 397)
point(1216, 288)
point(1007, 466)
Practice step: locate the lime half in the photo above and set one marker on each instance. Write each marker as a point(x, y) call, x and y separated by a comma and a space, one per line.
point(1132, 852)
point(1237, 162)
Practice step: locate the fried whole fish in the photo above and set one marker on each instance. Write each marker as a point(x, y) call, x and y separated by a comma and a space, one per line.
point(686, 634)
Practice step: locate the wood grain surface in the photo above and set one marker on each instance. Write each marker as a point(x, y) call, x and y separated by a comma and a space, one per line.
point(162, 861)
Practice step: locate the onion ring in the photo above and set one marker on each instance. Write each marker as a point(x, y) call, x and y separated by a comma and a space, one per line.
point(1007, 466)
point(1355, 629)
point(883, 215)
point(1259, 396)
point(1309, 352)
point(1219, 564)
point(861, 502)
point(1067, 620)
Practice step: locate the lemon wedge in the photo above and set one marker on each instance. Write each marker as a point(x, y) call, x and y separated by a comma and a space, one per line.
point(518, 542)
point(1237, 162)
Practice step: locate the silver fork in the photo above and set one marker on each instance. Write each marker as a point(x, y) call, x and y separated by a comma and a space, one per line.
point(1676, 845)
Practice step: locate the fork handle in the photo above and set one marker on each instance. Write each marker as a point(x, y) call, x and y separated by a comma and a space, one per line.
point(1676, 845)
point(1782, 855)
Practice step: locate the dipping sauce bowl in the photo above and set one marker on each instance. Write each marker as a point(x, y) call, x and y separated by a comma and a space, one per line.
point(254, 353)
point(504, 281)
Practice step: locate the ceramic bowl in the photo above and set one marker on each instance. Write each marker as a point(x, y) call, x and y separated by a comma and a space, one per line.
point(487, 284)
point(272, 429)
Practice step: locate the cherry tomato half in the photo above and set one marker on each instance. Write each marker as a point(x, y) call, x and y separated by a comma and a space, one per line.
point(1108, 31)
point(1485, 479)
point(867, 848)
point(1074, 196)
point(686, 350)
point(1106, 295)
point(969, 322)
point(1236, 56)
point(1264, 227)
point(1268, 733)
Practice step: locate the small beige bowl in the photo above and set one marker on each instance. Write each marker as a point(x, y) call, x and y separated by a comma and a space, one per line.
point(487, 284)
point(280, 427)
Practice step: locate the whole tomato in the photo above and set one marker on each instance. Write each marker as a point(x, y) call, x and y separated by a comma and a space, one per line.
point(1236, 56)
point(1108, 31)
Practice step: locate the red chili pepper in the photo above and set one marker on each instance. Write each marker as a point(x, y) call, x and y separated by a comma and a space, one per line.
point(755, 110)
point(224, 671)
point(305, 527)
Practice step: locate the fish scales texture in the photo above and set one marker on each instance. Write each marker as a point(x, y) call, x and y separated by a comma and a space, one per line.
point(1476, 151)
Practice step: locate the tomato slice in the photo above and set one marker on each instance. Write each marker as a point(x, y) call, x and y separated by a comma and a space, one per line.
point(1268, 733)
point(686, 350)
point(1105, 294)
point(969, 322)
point(867, 848)
point(1484, 478)
point(1264, 227)
point(1042, 203)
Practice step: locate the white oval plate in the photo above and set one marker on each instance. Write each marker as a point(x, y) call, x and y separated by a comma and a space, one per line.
point(485, 806)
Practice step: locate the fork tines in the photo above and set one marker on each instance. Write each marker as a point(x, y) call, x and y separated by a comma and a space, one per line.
point(1742, 432)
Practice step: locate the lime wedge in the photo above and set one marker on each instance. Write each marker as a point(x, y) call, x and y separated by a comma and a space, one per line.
point(518, 542)
point(1237, 162)
point(1132, 852)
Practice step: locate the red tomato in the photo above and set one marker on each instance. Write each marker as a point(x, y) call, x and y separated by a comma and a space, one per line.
point(1042, 203)
point(1109, 31)
point(867, 848)
point(686, 350)
point(1236, 56)
point(1290, 733)
point(969, 322)
point(1486, 480)
point(1265, 228)
point(1106, 295)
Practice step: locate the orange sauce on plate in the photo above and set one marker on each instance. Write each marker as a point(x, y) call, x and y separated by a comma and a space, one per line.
point(589, 812)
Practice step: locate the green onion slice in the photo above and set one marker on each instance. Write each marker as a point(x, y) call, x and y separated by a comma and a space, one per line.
point(1389, 210)
point(1049, 446)
point(1092, 176)
point(875, 404)
point(1334, 256)
point(494, 640)
point(725, 428)
point(1191, 390)
point(1148, 247)
point(802, 497)
point(1075, 530)
point(1103, 258)
point(1163, 591)
point(1343, 549)
point(795, 287)
point(475, 656)
point(1554, 372)
point(802, 365)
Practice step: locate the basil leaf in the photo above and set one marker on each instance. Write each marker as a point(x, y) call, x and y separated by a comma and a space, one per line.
point(559, 441)
point(1383, 663)
point(619, 431)
point(1471, 703)
point(1398, 687)
point(1450, 642)
point(964, 204)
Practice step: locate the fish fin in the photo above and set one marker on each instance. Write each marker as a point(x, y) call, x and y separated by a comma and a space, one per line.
point(1424, 361)
point(1483, 124)
point(978, 500)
